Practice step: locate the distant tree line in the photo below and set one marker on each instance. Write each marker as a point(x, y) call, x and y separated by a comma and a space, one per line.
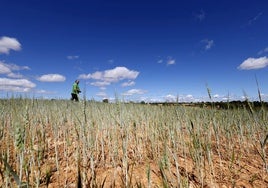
point(219, 105)
point(235, 104)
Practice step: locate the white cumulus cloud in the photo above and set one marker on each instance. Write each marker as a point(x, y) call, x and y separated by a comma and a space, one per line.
point(119, 73)
point(51, 78)
point(100, 83)
point(129, 83)
point(170, 98)
point(96, 75)
point(254, 63)
point(84, 76)
point(7, 44)
point(110, 76)
point(134, 92)
point(4, 69)
point(171, 61)
point(14, 75)
point(14, 67)
point(16, 85)
point(8, 67)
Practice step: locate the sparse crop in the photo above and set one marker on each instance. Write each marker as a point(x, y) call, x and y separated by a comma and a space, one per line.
point(90, 144)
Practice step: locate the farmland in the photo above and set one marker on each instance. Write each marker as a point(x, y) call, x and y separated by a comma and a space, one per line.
point(59, 143)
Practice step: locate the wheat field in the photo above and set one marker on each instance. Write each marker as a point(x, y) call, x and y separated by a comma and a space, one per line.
point(59, 143)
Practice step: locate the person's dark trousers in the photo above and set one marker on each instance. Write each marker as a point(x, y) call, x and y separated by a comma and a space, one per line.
point(74, 97)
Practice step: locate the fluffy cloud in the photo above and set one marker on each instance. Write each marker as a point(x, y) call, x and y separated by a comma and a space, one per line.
point(4, 69)
point(254, 63)
point(100, 84)
point(15, 81)
point(16, 85)
point(7, 44)
point(170, 98)
point(84, 76)
point(14, 67)
point(119, 73)
point(171, 61)
point(97, 76)
point(8, 68)
point(110, 76)
point(134, 92)
point(14, 75)
point(129, 83)
point(51, 78)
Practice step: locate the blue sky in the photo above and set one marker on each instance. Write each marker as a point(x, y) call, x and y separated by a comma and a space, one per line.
point(134, 50)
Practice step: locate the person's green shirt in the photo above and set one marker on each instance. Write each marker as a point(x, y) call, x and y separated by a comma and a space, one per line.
point(76, 89)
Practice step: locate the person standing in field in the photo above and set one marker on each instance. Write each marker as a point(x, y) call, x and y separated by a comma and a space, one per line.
point(75, 91)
